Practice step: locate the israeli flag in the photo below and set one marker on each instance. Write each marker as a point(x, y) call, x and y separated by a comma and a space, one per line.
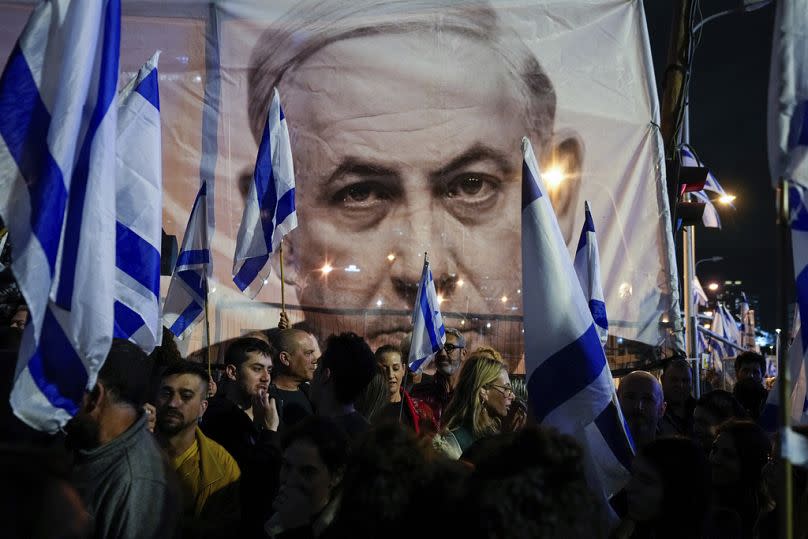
point(428, 332)
point(187, 293)
point(58, 127)
point(699, 295)
point(570, 385)
point(710, 218)
point(587, 267)
point(798, 401)
point(724, 326)
point(270, 211)
point(139, 203)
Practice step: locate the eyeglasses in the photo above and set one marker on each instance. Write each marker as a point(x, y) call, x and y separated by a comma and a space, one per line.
point(451, 347)
point(505, 390)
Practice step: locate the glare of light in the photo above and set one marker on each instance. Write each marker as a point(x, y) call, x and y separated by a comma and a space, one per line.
point(391, 257)
point(620, 340)
point(707, 325)
point(460, 282)
point(726, 198)
point(327, 268)
point(519, 291)
point(488, 325)
point(553, 177)
point(665, 319)
point(212, 290)
point(625, 290)
point(738, 282)
point(197, 79)
point(266, 281)
point(728, 282)
point(440, 299)
point(379, 303)
point(503, 299)
point(352, 269)
point(712, 286)
point(462, 322)
point(707, 313)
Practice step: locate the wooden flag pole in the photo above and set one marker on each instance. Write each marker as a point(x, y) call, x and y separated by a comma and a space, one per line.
point(207, 325)
point(283, 284)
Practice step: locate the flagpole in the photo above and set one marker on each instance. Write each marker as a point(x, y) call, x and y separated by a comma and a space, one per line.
point(783, 374)
point(207, 325)
point(283, 284)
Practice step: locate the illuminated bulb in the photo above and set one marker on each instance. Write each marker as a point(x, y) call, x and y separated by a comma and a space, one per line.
point(503, 299)
point(391, 257)
point(379, 303)
point(212, 289)
point(266, 281)
point(440, 299)
point(707, 325)
point(488, 325)
point(327, 268)
point(460, 282)
point(713, 286)
point(707, 313)
point(552, 177)
point(726, 199)
point(352, 269)
point(519, 291)
point(462, 322)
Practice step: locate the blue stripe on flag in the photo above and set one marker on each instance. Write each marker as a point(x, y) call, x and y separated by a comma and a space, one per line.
point(578, 364)
point(248, 271)
point(127, 321)
point(195, 257)
point(530, 186)
point(107, 89)
point(598, 310)
point(264, 178)
point(58, 371)
point(137, 258)
point(195, 281)
point(796, 204)
point(589, 226)
point(149, 90)
point(802, 140)
point(286, 206)
point(24, 125)
point(609, 425)
point(802, 300)
point(186, 318)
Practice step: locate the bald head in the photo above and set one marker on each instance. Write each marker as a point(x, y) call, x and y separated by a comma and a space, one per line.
point(298, 353)
point(643, 404)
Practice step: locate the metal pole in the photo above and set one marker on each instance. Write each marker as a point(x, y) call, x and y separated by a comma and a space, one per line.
point(207, 326)
point(786, 512)
point(283, 284)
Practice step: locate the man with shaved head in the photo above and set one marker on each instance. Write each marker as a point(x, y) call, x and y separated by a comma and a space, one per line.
point(643, 404)
point(298, 353)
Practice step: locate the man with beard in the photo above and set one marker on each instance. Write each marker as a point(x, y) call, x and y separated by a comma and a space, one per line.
point(244, 420)
point(209, 477)
point(437, 391)
point(118, 469)
point(643, 404)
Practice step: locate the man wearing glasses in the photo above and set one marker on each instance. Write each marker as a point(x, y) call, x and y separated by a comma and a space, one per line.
point(436, 392)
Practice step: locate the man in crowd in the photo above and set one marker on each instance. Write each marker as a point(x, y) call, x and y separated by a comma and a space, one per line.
point(677, 383)
point(345, 368)
point(119, 471)
point(437, 391)
point(750, 365)
point(208, 475)
point(298, 353)
point(643, 404)
point(245, 422)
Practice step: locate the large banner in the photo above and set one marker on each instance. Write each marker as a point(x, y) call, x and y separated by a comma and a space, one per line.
point(405, 119)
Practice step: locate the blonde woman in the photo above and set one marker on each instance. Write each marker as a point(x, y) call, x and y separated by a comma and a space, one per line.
point(480, 402)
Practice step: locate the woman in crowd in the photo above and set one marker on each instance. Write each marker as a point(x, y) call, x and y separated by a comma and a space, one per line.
point(481, 400)
point(667, 493)
point(739, 494)
point(401, 407)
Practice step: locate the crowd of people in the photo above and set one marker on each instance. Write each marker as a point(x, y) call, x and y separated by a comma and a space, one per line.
point(294, 442)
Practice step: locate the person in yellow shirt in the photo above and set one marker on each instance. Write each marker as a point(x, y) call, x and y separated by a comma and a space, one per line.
point(208, 475)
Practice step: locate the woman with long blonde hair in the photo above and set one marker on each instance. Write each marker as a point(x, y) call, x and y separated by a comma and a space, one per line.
point(481, 400)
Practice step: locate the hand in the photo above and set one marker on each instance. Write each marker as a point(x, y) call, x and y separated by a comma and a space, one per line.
point(212, 387)
point(516, 419)
point(151, 416)
point(292, 508)
point(265, 413)
point(284, 321)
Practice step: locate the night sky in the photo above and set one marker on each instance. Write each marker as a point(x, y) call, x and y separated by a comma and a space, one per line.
point(728, 106)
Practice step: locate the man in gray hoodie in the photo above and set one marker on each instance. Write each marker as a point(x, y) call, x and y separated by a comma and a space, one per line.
point(119, 471)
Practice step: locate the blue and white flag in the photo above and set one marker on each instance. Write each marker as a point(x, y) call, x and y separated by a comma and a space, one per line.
point(699, 295)
point(187, 293)
point(587, 267)
point(270, 210)
point(139, 204)
point(428, 332)
point(58, 123)
point(710, 218)
point(570, 386)
point(798, 401)
point(724, 326)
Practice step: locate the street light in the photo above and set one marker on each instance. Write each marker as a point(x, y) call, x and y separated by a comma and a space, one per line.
point(711, 259)
point(713, 286)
